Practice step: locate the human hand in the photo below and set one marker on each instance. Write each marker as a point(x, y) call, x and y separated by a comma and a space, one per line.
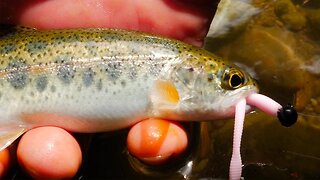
point(187, 21)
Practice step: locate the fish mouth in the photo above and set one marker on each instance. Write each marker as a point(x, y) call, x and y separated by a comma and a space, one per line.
point(250, 90)
point(249, 107)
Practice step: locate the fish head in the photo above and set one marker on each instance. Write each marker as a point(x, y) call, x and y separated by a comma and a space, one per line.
point(209, 88)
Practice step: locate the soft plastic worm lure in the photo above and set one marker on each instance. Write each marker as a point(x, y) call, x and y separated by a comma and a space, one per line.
point(287, 116)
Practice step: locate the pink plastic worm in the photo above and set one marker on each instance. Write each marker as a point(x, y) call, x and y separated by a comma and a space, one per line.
point(260, 101)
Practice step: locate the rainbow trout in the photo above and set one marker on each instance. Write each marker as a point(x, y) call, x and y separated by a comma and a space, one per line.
point(93, 80)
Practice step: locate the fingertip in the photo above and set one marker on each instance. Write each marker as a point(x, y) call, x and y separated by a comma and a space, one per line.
point(4, 162)
point(49, 152)
point(155, 141)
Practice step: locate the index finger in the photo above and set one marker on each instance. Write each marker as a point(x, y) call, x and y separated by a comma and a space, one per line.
point(185, 21)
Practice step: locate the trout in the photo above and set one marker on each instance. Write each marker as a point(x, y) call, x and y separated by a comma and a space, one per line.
point(95, 80)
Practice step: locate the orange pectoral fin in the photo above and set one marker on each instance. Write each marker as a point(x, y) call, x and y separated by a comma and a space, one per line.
point(166, 91)
point(164, 98)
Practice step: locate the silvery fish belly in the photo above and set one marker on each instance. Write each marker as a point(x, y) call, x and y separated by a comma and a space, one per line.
point(91, 80)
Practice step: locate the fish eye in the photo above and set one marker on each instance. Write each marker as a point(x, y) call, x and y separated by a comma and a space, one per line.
point(233, 79)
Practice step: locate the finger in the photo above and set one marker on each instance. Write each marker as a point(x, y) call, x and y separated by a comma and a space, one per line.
point(155, 141)
point(185, 21)
point(4, 162)
point(49, 152)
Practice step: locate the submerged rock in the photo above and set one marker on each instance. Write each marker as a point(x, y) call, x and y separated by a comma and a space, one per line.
point(280, 44)
point(280, 47)
point(290, 15)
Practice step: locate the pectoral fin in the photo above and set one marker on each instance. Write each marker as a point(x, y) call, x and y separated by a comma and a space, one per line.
point(8, 134)
point(164, 96)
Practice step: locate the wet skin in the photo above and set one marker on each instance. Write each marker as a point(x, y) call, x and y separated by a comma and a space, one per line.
point(187, 21)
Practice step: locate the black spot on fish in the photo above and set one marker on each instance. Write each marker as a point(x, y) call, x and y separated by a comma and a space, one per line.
point(113, 70)
point(151, 40)
point(66, 74)
point(87, 78)
point(41, 83)
point(7, 48)
point(133, 73)
point(154, 69)
point(190, 69)
point(123, 83)
point(74, 37)
point(36, 46)
point(212, 66)
point(63, 59)
point(58, 40)
point(92, 48)
point(17, 74)
point(210, 77)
